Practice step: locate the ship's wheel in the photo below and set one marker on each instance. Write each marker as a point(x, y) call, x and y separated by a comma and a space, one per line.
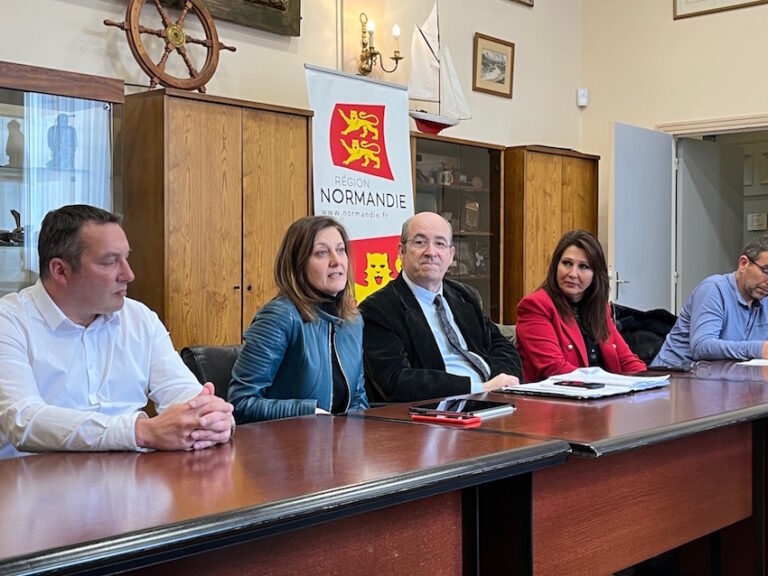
point(175, 39)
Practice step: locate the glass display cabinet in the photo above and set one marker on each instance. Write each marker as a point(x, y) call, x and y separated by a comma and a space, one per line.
point(59, 144)
point(462, 181)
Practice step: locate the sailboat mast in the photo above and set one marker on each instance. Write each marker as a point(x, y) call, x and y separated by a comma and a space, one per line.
point(439, 54)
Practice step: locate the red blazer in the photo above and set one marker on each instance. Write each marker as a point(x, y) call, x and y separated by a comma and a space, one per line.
point(549, 346)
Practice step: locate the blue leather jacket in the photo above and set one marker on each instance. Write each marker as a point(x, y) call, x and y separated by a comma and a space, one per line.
point(285, 366)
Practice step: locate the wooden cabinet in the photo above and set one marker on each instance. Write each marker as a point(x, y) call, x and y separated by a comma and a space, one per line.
point(461, 180)
point(211, 185)
point(548, 191)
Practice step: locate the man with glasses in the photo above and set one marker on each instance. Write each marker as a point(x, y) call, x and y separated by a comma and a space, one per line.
point(425, 336)
point(724, 318)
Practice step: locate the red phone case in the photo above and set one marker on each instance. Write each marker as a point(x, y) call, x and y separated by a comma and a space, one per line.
point(472, 422)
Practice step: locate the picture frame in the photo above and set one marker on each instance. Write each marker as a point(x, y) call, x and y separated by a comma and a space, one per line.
point(493, 65)
point(276, 16)
point(688, 8)
point(524, 2)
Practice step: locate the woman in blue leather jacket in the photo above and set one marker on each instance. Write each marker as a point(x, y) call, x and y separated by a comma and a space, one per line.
point(303, 352)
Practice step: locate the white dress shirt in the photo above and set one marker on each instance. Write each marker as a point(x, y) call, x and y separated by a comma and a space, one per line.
point(455, 363)
point(68, 387)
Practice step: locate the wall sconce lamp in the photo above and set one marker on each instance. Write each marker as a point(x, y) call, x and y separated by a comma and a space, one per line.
point(369, 55)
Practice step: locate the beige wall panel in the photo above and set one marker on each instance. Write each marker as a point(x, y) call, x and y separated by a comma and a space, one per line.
point(270, 68)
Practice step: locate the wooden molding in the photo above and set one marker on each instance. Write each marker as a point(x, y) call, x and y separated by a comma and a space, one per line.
point(231, 101)
point(557, 151)
point(426, 136)
point(718, 125)
point(61, 83)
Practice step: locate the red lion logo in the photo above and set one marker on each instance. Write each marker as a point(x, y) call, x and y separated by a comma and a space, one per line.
point(357, 141)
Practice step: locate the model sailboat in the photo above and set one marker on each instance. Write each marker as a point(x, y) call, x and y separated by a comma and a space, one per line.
point(434, 79)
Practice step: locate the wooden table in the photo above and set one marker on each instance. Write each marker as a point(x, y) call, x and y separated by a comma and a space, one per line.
point(658, 469)
point(306, 495)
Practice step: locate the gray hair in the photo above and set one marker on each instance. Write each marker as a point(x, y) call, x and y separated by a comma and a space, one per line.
point(756, 246)
point(407, 223)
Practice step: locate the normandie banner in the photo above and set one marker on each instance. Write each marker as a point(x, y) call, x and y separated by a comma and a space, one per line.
point(361, 163)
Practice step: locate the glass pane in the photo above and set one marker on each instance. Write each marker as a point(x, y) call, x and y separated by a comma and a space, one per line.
point(57, 150)
point(437, 190)
point(462, 182)
point(473, 249)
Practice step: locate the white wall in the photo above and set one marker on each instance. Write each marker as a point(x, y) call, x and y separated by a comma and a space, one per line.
point(69, 35)
point(644, 68)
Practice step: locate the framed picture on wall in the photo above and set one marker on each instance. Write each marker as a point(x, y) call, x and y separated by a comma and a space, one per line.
point(276, 16)
point(686, 8)
point(493, 65)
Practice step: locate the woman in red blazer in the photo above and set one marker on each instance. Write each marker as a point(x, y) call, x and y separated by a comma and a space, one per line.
point(566, 324)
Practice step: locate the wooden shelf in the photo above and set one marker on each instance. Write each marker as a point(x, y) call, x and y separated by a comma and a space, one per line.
point(425, 188)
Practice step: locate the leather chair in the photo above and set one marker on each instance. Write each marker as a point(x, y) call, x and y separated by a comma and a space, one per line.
point(212, 364)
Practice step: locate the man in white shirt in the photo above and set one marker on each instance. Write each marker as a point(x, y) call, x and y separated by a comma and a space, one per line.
point(78, 360)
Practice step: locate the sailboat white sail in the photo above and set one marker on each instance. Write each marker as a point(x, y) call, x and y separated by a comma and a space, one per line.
point(434, 79)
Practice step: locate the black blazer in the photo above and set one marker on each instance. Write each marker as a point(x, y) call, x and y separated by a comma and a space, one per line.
point(402, 360)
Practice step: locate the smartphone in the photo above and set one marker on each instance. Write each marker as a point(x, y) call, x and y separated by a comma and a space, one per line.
point(579, 384)
point(462, 408)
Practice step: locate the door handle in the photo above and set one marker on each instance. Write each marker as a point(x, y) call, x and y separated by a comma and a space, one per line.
point(620, 282)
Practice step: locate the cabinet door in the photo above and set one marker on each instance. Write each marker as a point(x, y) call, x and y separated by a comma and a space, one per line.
point(579, 194)
point(542, 214)
point(477, 248)
point(275, 193)
point(203, 196)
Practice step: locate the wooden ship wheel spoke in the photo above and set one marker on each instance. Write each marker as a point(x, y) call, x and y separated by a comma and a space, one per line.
point(176, 39)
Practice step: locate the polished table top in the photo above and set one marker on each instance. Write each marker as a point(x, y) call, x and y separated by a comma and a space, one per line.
point(722, 370)
point(601, 426)
point(80, 509)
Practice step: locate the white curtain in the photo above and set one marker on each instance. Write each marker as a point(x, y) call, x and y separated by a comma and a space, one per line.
point(67, 159)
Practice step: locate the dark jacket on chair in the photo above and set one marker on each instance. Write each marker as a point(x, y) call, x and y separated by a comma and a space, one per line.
point(402, 360)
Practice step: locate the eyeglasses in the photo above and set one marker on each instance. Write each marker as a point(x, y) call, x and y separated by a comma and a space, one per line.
point(763, 269)
point(422, 243)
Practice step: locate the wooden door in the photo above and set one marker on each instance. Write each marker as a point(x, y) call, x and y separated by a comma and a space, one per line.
point(275, 193)
point(579, 194)
point(542, 213)
point(203, 222)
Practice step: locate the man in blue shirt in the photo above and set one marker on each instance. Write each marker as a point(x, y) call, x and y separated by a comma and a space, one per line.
point(724, 318)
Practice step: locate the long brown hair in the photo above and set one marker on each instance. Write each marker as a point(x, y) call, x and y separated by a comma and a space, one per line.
point(290, 269)
point(595, 300)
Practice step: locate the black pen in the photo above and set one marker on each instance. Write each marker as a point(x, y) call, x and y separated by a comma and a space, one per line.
point(579, 384)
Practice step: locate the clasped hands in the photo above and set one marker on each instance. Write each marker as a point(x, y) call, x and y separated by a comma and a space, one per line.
point(203, 421)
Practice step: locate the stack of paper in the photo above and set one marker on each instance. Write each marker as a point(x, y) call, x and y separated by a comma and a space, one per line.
point(609, 384)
